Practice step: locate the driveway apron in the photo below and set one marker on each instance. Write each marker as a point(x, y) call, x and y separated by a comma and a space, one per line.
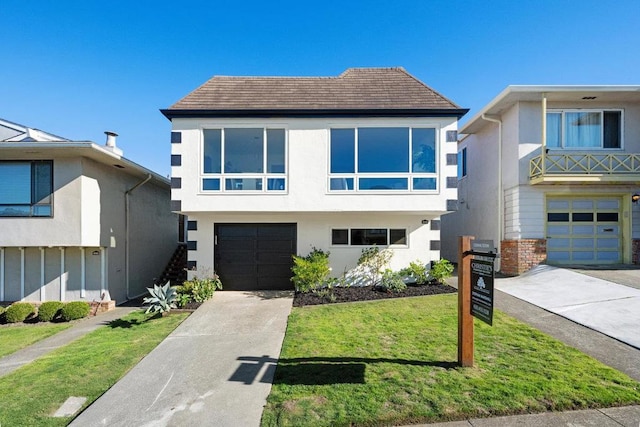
point(599, 304)
point(215, 369)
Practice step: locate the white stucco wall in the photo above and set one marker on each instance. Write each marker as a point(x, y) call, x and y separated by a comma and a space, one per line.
point(314, 230)
point(307, 166)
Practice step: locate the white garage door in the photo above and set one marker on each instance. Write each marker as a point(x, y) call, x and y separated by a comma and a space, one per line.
point(584, 230)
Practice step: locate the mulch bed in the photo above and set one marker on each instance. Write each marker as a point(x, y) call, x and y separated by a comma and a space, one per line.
point(367, 293)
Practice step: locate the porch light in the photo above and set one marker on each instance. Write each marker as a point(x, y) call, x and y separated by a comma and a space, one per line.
point(635, 198)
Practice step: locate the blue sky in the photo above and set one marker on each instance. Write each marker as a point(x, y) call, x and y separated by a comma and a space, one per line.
point(78, 68)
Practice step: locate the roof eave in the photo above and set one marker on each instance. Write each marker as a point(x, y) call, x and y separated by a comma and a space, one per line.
point(301, 113)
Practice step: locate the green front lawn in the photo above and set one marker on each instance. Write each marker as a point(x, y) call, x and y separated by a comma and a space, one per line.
point(87, 367)
point(393, 362)
point(19, 336)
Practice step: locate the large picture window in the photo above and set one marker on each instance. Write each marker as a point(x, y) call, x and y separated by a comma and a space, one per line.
point(582, 129)
point(383, 158)
point(244, 159)
point(368, 236)
point(26, 188)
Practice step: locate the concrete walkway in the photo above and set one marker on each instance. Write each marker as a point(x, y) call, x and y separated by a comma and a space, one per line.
point(80, 328)
point(602, 305)
point(216, 368)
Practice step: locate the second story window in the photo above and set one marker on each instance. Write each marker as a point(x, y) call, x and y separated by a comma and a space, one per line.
point(26, 188)
point(385, 158)
point(584, 129)
point(462, 163)
point(244, 159)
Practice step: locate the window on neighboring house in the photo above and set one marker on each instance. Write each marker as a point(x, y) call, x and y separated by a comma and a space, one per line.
point(26, 188)
point(368, 236)
point(386, 158)
point(462, 163)
point(244, 159)
point(584, 129)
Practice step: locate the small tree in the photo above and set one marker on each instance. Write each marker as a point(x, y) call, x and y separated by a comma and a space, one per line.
point(374, 262)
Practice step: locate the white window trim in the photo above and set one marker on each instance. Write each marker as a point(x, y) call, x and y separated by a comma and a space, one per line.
point(265, 176)
point(349, 245)
point(562, 111)
point(409, 175)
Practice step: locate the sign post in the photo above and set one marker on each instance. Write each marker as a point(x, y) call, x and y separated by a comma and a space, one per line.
point(465, 321)
point(475, 291)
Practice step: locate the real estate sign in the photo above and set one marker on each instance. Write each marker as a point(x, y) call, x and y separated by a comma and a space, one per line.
point(482, 290)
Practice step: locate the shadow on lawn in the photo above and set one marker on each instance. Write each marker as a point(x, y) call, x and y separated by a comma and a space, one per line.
point(126, 324)
point(316, 370)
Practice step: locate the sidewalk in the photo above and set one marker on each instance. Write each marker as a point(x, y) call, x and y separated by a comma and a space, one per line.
point(28, 354)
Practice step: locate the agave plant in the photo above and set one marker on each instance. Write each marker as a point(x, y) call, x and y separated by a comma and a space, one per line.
point(162, 299)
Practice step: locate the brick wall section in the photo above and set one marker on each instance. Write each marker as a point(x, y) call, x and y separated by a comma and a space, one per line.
point(635, 248)
point(518, 256)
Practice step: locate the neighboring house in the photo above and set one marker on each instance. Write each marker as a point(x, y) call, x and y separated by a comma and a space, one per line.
point(548, 173)
point(268, 167)
point(78, 219)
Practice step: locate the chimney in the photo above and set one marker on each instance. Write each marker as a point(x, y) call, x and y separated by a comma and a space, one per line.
point(111, 143)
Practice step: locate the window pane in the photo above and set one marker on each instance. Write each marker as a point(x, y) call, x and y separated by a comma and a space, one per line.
point(243, 150)
point(423, 145)
point(342, 151)
point(582, 130)
point(340, 237)
point(276, 184)
point(462, 163)
point(211, 184)
point(368, 236)
point(554, 129)
point(383, 184)
point(248, 184)
point(341, 184)
point(608, 216)
point(15, 183)
point(612, 126)
point(424, 183)
point(211, 149)
point(42, 182)
point(383, 150)
point(42, 210)
point(582, 217)
point(558, 217)
point(398, 236)
point(15, 210)
point(275, 150)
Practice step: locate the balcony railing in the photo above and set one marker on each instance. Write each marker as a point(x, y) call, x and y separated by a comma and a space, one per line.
point(591, 167)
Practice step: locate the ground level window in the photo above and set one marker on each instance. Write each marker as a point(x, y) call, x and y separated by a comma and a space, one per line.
point(369, 236)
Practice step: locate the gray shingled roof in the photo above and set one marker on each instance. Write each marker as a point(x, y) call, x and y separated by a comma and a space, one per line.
point(357, 89)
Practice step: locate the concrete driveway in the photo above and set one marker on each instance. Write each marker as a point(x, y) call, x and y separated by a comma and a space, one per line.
point(599, 304)
point(216, 368)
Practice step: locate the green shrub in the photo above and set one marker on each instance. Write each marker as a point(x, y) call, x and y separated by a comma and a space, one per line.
point(310, 272)
point(441, 270)
point(49, 310)
point(19, 311)
point(392, 281)
point(183, 299)
point(2, 310)
point(74, 310)
point(417, 270)
point(199, 289)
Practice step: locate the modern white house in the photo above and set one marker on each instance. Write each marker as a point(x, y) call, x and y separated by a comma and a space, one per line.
point(78, 219)
point(269, 167)
point(552, 174)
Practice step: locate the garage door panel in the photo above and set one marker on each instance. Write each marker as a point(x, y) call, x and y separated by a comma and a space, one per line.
point(584, 230)
point(255, 256)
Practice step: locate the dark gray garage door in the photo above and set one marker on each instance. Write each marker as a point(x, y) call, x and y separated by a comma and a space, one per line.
point(255, 256)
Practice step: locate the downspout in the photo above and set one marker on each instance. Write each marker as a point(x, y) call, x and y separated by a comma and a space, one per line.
point(126, 229)
point(543, 145)
point(500, 195)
